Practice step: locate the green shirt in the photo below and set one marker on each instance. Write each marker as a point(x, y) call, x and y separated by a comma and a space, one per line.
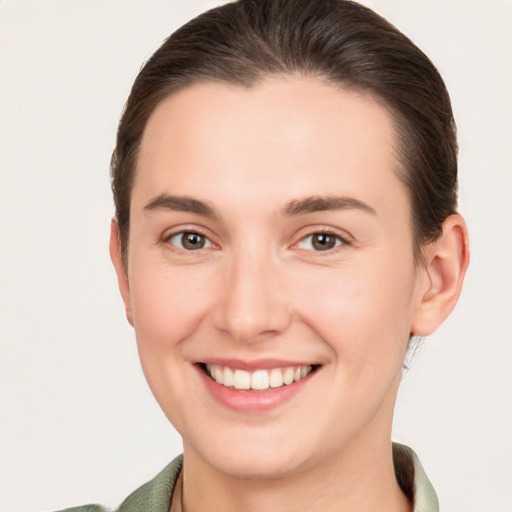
point(156, 495)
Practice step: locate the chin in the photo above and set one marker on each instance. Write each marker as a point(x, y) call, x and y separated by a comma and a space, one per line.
point(253, 458)
point(254, 466)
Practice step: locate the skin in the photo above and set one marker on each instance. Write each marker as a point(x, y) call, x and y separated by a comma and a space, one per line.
point(260, 289)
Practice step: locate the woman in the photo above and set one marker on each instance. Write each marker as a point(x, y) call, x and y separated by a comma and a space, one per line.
point(285, 185)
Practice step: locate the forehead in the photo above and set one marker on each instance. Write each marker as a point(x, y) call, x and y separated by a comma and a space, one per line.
point(295, 130)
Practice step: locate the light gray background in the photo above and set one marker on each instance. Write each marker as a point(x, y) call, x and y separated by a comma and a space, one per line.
point(77, 421)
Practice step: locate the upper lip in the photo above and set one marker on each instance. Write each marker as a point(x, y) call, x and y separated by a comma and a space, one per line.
point(256, 364)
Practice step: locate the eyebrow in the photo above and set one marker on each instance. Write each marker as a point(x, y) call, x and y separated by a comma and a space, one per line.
point(320, 203)
point(179, 204)
point(293, 208)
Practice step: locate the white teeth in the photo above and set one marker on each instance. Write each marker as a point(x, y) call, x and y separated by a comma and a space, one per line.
point(218, 374)
point(242, 379)
point(288, 376)
point(258, 380)
point(276, 378)
point(229, 377)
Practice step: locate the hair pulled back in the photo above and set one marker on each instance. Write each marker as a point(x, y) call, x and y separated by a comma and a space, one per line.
point(338, 41)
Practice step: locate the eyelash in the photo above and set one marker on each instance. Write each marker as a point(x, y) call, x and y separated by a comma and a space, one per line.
point(340, 241)
point(207, 243)
point(188, 232)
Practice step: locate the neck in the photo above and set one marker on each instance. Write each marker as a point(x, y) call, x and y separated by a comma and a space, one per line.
point(362, 480)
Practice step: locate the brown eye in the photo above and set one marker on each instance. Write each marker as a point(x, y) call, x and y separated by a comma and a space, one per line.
point(323, 242)
point(320, 242)
point(189, 241)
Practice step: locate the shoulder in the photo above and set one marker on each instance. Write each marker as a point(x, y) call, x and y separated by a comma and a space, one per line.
point(153, 496)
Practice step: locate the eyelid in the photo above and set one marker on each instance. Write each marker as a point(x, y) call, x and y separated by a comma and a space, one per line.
point(342, 236)
point(183, 235)
point(181, 230)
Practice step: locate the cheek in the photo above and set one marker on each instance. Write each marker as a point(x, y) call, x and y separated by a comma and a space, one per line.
point(169, 306)
point(168, 303)
point(363, 314)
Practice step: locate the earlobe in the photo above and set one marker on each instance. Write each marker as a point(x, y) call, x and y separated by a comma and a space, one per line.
point(446, 263)
point(116, 255)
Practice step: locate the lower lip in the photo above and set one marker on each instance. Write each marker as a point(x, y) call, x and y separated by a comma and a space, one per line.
point(253, 401)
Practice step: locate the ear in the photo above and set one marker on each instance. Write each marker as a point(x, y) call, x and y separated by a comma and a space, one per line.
point(446, 262)
point(116, 255)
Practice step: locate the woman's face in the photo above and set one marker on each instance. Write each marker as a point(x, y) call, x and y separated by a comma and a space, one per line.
point(271, 241)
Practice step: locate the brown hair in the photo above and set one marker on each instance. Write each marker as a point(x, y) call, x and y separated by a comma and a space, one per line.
point(339, 41)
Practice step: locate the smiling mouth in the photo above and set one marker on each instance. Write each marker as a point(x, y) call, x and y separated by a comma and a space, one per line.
point(258, 380)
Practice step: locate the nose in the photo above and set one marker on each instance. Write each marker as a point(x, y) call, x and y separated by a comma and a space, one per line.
point(252, 304)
